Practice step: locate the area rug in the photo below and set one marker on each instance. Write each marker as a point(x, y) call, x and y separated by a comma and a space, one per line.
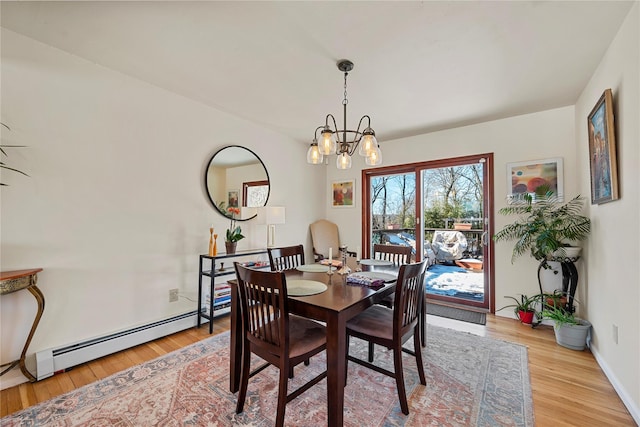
point(457, 313)
point(471, 381)
point(454, 281)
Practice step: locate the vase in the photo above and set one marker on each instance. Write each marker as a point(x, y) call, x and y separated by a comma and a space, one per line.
point(211, 242)
point(215, 245)
point(231, 247)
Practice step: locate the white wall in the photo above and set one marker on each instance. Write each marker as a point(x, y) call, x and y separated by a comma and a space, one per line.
point(115, 210)
point(612, 279)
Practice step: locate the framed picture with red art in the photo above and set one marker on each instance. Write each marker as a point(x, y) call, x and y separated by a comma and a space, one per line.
point(525, 177)
point(602, 151)
point(342, 194)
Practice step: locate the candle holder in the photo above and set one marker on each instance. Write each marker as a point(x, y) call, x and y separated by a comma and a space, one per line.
point(330, 270)
point(345, 269)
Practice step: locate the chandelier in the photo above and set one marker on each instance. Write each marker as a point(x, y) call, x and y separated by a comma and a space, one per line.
point(344, 142)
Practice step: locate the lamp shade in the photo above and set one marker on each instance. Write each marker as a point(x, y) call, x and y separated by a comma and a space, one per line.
point(271, 215)
point(248, 212)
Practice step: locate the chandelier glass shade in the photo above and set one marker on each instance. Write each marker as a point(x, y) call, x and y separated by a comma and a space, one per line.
point(344, 142)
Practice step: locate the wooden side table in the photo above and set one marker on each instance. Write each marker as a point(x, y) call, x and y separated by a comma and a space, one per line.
point(13, 281)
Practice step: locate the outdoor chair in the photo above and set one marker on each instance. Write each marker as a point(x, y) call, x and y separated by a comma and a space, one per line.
point(391, 328)
point(286, 258)
point(268, 330)
point(448, 245)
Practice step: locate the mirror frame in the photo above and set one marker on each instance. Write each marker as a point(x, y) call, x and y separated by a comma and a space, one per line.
point(206, 184)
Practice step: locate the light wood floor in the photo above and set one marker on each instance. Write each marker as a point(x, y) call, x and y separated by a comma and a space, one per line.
point(569, 388)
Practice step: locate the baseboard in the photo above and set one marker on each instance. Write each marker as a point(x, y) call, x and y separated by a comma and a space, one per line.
point(633, 409)
point(51, 361)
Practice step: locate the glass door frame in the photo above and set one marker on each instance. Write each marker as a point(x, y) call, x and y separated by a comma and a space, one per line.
point(488, 223)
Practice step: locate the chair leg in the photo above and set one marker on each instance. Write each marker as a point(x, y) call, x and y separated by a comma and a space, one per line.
point(244, 378)
point(397, 366)
point(306, 362)
point(418, 351)
point(370, 358)
point(346, 361)
point(423, 323)
point(291, 372)
point(282, 396)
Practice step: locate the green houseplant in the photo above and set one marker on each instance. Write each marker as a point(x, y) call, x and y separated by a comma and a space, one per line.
point(234, 232)
point(571, 332)
point(3, 165)
point(545, 226)
point(545, 229)
point(525, 308)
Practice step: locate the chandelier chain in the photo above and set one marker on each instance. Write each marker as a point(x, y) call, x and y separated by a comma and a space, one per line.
point(345, 101)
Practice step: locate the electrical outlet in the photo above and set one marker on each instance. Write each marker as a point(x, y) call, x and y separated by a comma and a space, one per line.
point(615, 333)
point(173, 295)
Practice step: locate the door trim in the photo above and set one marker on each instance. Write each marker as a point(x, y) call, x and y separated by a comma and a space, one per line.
point(488, 210)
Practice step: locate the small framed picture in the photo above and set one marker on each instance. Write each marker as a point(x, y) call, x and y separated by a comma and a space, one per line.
point(602, 151)
point(233, 199)
point(525, 177)
point(342, 194)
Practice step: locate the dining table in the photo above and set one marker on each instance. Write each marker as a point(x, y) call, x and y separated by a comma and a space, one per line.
point(334, 306)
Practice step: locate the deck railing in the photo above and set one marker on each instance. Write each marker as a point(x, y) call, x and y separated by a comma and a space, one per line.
point(406, 236)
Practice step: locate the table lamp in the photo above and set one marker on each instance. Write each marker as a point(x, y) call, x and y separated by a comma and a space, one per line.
point(271, 215)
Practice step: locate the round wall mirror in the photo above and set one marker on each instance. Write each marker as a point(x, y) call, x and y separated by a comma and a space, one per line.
point(237, 182)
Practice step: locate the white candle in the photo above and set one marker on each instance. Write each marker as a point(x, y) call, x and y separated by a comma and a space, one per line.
point(330, 254)
point(357, 253)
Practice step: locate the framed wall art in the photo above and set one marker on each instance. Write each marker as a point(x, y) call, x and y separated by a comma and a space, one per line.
point(342, 194)
point(602, 151)
point(255, 193)
point(232, 199)
point(525, 177)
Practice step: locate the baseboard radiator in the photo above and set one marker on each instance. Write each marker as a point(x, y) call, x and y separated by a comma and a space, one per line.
point(52, 361)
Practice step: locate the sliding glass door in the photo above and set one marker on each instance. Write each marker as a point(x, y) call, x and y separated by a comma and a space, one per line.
point(442, 210)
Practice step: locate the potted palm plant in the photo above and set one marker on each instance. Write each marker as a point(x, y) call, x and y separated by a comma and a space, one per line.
point(545, 229)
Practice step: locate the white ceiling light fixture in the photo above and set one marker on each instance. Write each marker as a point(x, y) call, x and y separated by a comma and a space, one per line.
point(344, 142)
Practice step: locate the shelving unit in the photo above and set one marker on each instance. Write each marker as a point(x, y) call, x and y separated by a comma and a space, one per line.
point(218, 300)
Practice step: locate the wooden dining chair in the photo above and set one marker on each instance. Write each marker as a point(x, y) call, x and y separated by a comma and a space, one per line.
point(286, 258)
point(268, 330)
point(397, 254)
point(391, 328)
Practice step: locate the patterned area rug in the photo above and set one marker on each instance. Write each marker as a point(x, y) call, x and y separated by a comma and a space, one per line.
point(471, 381)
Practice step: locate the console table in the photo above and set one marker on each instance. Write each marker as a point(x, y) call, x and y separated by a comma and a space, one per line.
point(216, 266)
point(13, 281)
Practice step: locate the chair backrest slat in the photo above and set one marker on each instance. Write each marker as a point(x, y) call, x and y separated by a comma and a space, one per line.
point(263, 305)
point(286, 258)
point(397, 254)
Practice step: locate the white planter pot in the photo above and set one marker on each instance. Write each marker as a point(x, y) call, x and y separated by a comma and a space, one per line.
point(551, 278)
point(573, 336)
point(572, 252)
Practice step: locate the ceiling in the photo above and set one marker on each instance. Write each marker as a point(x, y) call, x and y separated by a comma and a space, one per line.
point(419, 66)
